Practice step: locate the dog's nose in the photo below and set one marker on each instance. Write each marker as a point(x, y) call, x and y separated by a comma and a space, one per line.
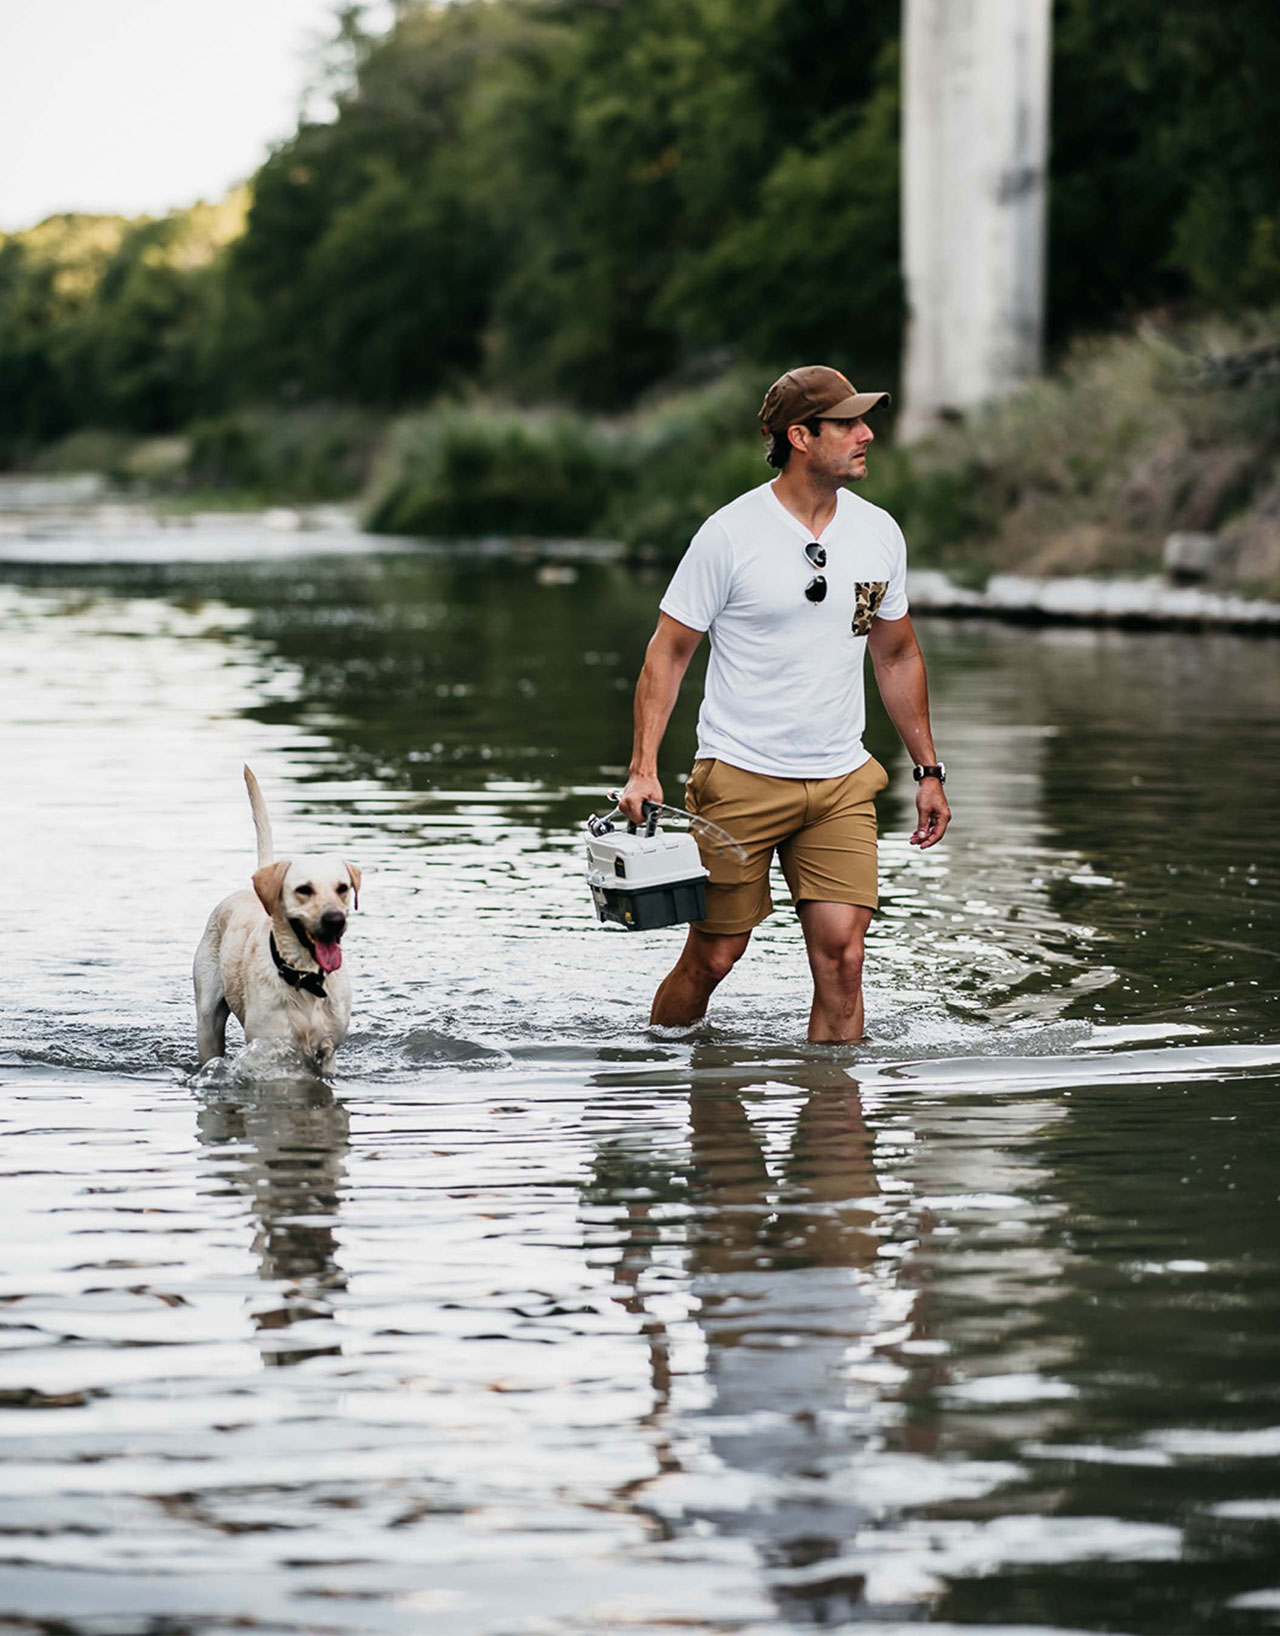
point(332, 925)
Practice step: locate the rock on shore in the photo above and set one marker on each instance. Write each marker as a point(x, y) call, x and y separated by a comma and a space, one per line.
point(1151, 602)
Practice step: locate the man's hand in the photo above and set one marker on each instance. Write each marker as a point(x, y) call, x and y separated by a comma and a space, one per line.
point(933, 812)
point(638, 790)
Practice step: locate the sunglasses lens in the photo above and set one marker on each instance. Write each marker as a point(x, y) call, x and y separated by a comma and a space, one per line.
point(816, 589)
point(817, 554)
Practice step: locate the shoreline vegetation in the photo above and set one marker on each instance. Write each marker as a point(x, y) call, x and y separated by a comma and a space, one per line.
point(1085, 472)
point(525, 267)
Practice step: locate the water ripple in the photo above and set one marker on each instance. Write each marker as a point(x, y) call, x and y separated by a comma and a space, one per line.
point(535, 1320)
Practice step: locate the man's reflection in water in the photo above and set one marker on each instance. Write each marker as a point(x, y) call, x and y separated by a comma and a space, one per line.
point(282, 1145)
point(789, 1293)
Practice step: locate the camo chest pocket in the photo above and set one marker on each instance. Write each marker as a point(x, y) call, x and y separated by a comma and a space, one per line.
point(868, 594)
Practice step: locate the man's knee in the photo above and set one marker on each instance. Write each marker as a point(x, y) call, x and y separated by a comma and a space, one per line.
point(837, 942)
point(711, 959)
point(848, 963)
point(841, 952)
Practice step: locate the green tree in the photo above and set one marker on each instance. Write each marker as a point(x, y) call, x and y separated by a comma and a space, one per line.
point(1165, 165)
point(576, 201)
point(367, 261)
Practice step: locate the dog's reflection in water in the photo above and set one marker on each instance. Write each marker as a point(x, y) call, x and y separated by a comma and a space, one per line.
point(281, 1146)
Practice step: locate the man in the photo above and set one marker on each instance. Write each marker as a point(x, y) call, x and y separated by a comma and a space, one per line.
point(794, 581)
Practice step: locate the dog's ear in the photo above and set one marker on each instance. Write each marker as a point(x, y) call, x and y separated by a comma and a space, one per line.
point(268, 883)
point(353, 870)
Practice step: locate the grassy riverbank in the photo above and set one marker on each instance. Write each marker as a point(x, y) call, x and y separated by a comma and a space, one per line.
point(647, 479)
point(1089, 470)
point(313, 453)
point(1084, 472)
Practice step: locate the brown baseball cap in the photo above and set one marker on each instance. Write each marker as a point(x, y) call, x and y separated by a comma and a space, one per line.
point(814, 392)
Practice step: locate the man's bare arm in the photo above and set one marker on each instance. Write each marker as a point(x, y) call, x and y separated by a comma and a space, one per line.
point(900, 676)
point(667, 658)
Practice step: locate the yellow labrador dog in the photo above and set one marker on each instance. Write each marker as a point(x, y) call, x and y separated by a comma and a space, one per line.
point(273, 956)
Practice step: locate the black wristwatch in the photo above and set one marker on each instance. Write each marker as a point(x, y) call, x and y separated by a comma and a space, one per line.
point(939, 772)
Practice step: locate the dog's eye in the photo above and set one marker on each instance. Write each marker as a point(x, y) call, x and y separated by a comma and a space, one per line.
point(304, 891)
point(342, 889)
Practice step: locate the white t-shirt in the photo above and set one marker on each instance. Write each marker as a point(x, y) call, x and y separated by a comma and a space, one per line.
point(784, 691)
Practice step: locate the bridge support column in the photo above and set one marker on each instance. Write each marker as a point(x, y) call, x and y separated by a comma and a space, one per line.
point(975, 151)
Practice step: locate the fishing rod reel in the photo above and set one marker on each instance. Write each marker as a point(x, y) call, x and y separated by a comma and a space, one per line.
point(643, 877)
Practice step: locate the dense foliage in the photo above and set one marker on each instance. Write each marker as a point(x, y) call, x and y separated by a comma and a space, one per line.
point(572, 201)
point(105, 322)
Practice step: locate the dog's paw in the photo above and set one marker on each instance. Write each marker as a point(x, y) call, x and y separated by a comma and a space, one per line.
point(262, 1062)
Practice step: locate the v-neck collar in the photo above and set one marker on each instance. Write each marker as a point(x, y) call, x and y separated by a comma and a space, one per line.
point(797, 527)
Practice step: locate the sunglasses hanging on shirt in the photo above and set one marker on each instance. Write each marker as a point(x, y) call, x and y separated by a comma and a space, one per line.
point(816, 589)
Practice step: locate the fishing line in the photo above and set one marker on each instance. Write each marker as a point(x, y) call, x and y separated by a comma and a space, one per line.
point(718, 839)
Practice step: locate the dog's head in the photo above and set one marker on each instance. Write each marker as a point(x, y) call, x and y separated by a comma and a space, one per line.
point(309, 899)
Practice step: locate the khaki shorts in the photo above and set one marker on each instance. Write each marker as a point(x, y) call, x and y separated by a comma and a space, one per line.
point(823, 829)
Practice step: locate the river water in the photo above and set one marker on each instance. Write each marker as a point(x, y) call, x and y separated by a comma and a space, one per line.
point(535, 1321)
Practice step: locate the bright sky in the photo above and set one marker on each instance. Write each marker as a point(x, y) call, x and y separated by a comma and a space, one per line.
point(135, 106)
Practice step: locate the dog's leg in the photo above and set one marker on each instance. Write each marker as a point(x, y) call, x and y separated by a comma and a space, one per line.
point(211, 1031)
point(212, 1009)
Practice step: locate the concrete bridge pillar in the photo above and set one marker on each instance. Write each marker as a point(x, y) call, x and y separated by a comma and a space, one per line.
point(975, 152)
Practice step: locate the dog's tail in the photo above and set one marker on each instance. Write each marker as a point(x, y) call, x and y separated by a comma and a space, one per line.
point(261, 821)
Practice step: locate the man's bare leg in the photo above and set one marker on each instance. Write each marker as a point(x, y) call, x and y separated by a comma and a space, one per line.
point(835, 936)
point(704, 963)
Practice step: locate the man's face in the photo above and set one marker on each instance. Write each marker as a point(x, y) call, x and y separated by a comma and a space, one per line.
point(839, 452)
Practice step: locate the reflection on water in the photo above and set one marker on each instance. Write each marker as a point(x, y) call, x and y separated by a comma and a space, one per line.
point(764, 1278)
point(536, 1321)
point(282, 1146)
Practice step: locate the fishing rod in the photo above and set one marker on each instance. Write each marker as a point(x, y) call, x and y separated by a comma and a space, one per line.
point(719, 839)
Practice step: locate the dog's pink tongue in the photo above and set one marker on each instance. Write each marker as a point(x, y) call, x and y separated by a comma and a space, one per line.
point(329, 955)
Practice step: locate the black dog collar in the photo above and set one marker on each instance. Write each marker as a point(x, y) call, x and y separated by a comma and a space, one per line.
point(312, 981)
